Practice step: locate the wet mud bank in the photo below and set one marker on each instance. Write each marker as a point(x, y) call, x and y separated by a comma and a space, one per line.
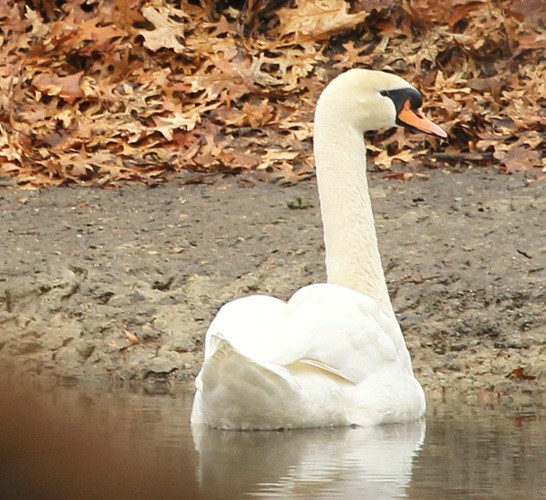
point(121, 284)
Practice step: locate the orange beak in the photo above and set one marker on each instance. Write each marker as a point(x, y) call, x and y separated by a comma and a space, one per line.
point(414, 118)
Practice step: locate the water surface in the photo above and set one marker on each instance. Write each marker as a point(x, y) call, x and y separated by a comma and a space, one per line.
point(85, 442)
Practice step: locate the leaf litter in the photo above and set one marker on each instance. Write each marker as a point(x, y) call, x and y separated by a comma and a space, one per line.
point(104, 91)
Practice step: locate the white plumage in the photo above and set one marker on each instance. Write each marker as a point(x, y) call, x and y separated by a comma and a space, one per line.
point(330, 356)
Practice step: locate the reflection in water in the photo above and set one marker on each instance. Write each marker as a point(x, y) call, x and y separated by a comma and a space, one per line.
point(491, 454)
point(91, 442)
point(372, 462)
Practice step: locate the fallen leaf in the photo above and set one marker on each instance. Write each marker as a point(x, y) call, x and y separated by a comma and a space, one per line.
point(96, 37)
point(167, 32)
point(177, 121)
point(67, 87)
point(132, 337)
point(519, 373)
point(518, 158)
point(401, 176)
point(488, 397)
point(384, 160)
point(318, 19)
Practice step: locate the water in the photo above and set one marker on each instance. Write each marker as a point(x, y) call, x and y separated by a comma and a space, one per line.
point(86, 442)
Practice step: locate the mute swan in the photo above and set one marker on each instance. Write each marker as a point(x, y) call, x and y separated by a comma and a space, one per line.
point(334, 354)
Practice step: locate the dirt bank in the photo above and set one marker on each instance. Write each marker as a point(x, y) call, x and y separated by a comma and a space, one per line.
point(123, 283)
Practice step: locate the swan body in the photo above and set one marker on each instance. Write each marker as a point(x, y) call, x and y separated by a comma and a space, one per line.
point(334, 354)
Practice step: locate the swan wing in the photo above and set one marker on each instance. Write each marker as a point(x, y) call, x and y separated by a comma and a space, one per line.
point(258, 328)
point(346, 331)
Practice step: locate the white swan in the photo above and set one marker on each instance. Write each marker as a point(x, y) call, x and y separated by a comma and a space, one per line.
point(334, 354)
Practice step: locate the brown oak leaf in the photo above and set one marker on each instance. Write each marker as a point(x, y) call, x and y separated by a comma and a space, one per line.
point(67, 87)
point(318, 19)
point(167, 32)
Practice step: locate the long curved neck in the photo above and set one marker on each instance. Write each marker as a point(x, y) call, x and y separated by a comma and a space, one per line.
point(352, 253)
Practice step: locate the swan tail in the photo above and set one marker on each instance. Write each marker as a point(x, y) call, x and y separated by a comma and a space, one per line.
point(236, 392)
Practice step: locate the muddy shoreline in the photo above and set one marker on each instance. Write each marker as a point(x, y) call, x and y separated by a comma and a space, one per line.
point(101, 284)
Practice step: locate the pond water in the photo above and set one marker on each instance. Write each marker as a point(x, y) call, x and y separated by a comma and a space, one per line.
point(87, 442)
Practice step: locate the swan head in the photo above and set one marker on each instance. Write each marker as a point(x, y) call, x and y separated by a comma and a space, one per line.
point(371, 100)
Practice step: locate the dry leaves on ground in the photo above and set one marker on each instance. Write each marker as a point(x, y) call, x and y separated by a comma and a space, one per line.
point(103, 91)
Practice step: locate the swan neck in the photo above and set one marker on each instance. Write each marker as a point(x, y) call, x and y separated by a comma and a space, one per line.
point(352, 252)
